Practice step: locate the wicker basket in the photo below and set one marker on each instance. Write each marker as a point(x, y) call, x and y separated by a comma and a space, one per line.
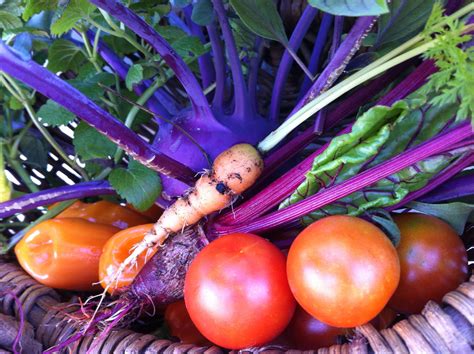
point(438, 329)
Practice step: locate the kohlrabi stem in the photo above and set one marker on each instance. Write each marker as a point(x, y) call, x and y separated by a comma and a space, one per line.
point(364, 179)
point(173, 60)
point(241, 107)
point(441, 180)
point(219, 65)
point(335, 92)
point(34, 118)
point(50, 196)
point(254, 69)
point(286, 62)
point(278, 190)
point(50, 85)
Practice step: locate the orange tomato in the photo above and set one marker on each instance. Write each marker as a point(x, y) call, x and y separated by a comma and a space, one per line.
point(64, 253)
point(115, 251)
point(104, 212)
point(180, 325)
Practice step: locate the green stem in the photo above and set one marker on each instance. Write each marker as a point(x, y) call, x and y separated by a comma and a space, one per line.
point(24, 175)
point(17, 141)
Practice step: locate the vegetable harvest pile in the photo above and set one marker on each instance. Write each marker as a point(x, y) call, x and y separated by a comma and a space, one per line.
point(238, 172)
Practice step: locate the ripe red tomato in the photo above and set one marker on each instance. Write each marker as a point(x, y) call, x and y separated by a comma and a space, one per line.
point(180, 325)
point(305, 332)
point(343, 270)
point(237, 293)
point(433, 261)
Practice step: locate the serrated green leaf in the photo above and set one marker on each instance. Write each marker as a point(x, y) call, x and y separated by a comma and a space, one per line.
point(139, 185)
point(53, 114)
point(262, 18)
point(74, 11)
point(36, 6)
point(89, 85)
point(90, 144)
point(9, 21)
point(134, 76)
point(35, 150)
point(351, 8)
point(203, 12)
point(455, 214)
point(64, 55)
point(405, 19)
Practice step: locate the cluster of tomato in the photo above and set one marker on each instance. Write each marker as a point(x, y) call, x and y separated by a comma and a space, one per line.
point(242, 291)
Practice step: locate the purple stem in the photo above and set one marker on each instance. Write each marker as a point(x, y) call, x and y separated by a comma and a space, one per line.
point(253, 73)
point(219, 65)
point(50, 196)
point(50, 85)
point(444, 190)
point(287, 60)
point(336, 66)
point(329, 195)
point(175, 62)
point(283, 186)
point(121, 68)
point(241, 106)
point(205, 63)
point(318, 48)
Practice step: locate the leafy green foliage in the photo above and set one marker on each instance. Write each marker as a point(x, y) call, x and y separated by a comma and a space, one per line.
point(351, 8)
point(454, 81)
point(89, 84)
point(64, 55)
point(74, 11)
point(184, 44)
point(262, 18)
point(36, 6)
point(455, 214)
point(13, 7)
point(385, 221)
point(53, 114)
point(9, 21)
point(36, 151)
point(90, 144)
point(377, 135)
point(134, 76)
point(203, 12)
point(405, 19)
point(139, 185)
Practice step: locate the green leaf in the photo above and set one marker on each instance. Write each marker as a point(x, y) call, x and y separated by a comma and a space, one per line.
point(180, 3)
point(203, 12)
point(189, 45)
point(139, 185)
point(74, 11)
point(455, 214)
point(5, 186)
point(134, 76)
point(89, 84)
point(14, 104)
point(36, 6)
point(405, 19)
point(53, 114)
point(13, 7)
point(351, 8)
point(385, 221)
point(9, 21)
point(35, 150)
point(64, 55)
point(262, 18)
point(90, 144)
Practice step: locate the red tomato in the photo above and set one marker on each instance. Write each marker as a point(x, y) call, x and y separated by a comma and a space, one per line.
point(180, 325)
point(433, 261)
point(306, 333)
point(237, 293)
point(343, 270)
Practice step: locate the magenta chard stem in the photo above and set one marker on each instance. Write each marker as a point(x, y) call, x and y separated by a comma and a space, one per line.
point(278, 218)
point(50, 85)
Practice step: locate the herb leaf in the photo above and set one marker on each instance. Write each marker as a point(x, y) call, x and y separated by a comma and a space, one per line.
point(64, 55)
point(139, 185)
point(351, 8)
point(53, 114)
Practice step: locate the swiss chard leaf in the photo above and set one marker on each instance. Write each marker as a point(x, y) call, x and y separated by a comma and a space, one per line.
point(262, 18)
point(351, 8)
point(405, 19)
point(53, 114)
point(90, 144)
point(64, 55)
point(74, 11)
point(139, 185)
point(378, 135)
point(455, 214)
